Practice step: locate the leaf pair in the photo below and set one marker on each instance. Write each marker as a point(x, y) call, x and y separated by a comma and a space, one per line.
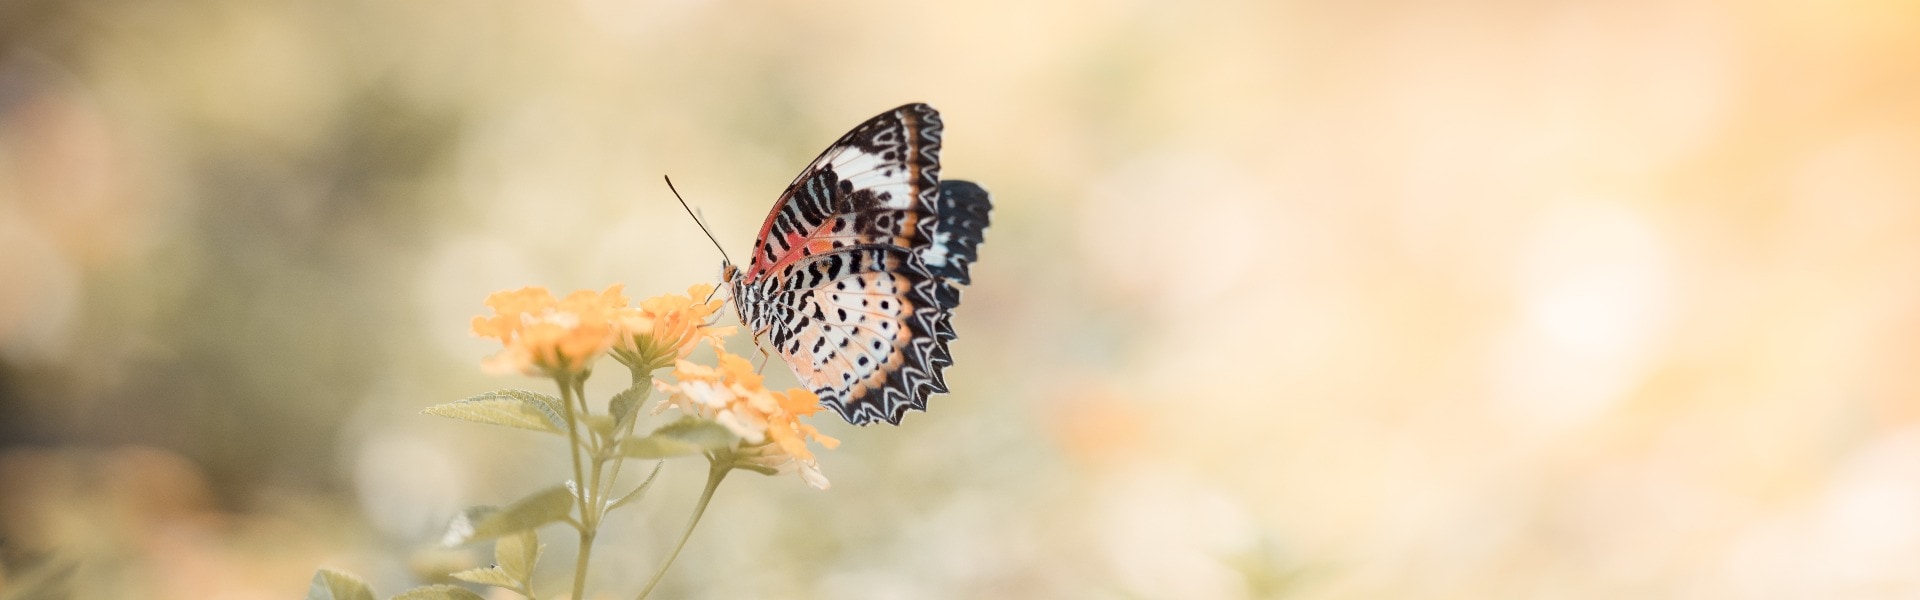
point(514, 557)
point(329, 584)
point(534, 411)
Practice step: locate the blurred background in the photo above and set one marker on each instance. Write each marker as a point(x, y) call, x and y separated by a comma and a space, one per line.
point(1282, 299)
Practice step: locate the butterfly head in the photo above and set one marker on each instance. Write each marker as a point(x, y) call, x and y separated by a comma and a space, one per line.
point(735, 282)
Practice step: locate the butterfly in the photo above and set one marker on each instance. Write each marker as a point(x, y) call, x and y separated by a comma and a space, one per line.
point(857, 269)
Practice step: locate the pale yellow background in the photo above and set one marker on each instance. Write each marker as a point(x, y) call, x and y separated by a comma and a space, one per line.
point(1302, 299)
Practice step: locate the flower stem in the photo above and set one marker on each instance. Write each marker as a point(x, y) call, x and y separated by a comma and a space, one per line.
point(715, 473)
point(581, 492)
point(640, 379)
point(580, 563)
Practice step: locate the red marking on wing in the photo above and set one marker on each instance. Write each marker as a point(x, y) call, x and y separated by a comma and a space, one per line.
point(798, 247)
point(760, 264)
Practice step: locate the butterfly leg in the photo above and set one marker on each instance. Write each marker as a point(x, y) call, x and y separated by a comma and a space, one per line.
point(763, 353)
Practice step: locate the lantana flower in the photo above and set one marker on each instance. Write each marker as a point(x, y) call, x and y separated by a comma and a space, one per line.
point(542, 335)
point(666, 327)
point(767, 422)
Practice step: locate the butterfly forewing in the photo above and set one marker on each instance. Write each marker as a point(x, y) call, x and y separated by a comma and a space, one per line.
point(871, 184)
point(859, 264)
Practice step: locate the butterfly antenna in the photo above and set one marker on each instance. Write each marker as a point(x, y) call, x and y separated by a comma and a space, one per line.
point(696, 219)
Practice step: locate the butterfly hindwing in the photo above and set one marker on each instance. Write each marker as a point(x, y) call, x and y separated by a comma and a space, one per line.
point(851, 319)
point(954, 234)
point(859, 265)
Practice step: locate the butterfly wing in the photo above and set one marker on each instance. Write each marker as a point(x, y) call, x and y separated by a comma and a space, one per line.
point(859, 266)
point(870, 185)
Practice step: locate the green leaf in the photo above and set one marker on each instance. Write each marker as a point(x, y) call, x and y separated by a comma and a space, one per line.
point(514, 556)
point(761, 469)
point(700, 432)
point(439, 592)
point(329, 584)
point(483, 522)
point(512, 408)
point(625, 406)
point(636, 493)
point(517, 554)
point(684, 437)
point(655, 447)
point(493, 576)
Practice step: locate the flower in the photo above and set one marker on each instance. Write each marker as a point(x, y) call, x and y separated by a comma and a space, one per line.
point(544, 335)
point(767, 422)
point(666, 327)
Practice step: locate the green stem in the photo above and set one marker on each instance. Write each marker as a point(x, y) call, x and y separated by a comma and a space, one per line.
point(581, 493)
point(715, 473)
point(639, 378)
point(580, 563)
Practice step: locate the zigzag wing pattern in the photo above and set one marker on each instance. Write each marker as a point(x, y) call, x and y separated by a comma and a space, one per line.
point(865, 331)
point(859, 266)
point(953, 238)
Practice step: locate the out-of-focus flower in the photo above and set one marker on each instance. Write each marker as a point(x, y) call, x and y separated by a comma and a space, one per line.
point(544, 335)
point(666, 327)
point(767, 422)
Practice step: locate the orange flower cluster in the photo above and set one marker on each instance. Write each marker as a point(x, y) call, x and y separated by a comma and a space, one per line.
point(667, 327)
point(767, 422)
point(543, 335)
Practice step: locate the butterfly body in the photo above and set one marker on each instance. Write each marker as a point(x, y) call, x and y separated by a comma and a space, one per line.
point(858, 268)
